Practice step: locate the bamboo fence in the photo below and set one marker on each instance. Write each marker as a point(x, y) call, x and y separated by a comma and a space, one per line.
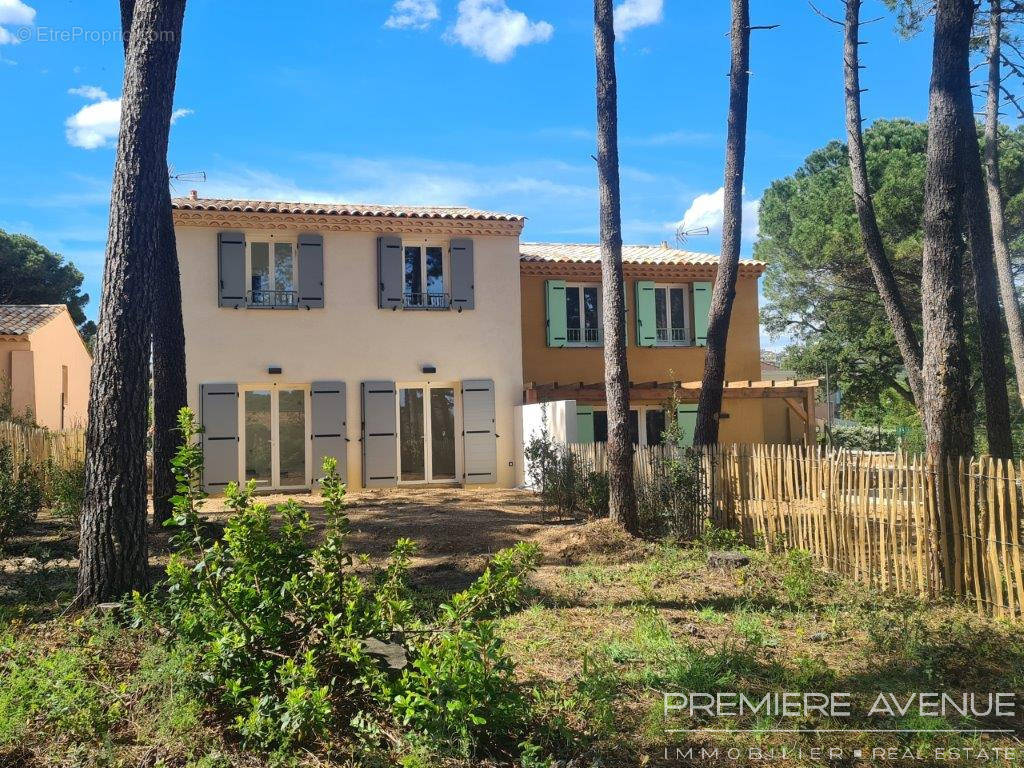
point(38, 446)
point(898, 522)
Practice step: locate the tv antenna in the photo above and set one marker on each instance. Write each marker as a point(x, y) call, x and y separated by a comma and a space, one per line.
point(682, 235)
point(188, 176)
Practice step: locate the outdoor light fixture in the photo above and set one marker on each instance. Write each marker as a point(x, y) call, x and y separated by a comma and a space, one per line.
point(274, 370)
point(429, 369)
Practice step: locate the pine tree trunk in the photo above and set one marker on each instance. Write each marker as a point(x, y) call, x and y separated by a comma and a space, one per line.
point(709, 405)
point(1011, 305)
point(113, 548)
point(945, 369)
point(169, 394)
point(622, 495)
point(881, 269)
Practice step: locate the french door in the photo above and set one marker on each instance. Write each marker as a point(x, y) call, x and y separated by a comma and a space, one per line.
point(426, 433)
point(274, 444)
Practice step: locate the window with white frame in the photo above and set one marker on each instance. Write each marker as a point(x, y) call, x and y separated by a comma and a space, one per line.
point(672, 315)
point(424, 277)
point(583, 314)
point(271, 268)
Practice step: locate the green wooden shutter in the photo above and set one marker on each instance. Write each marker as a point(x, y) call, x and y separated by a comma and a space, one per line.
point(584, 423)
point(554, 303)
point(646, 321)
point(686, 418)
point(701, 308)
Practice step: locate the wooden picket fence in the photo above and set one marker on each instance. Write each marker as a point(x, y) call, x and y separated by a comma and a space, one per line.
point(895, 521)
point(38, 446)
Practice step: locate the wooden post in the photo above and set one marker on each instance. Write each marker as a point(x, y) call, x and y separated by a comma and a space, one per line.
point(810, 428)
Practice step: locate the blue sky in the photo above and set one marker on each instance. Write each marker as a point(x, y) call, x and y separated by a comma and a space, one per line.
point(488, 103)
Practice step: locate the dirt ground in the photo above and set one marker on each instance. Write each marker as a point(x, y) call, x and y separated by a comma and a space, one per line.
point(457, 530)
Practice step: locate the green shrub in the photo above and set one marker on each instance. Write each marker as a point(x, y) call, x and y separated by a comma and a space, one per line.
point(566, 483)
point(283, 628)
point(65, 490)
point(799, 577)
point(21, 494)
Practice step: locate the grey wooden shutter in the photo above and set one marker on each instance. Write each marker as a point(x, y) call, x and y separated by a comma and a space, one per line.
point(329, 430)
point(231, 269)
point(390, 272)
point(311, 271)
point(380, 434)
point(478, 437)
point(219, 406)
point(462, 273)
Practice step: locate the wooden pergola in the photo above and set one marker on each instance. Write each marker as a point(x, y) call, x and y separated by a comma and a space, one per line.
point(798, 394)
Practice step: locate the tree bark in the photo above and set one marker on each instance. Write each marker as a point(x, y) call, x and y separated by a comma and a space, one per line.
point(986, 288)
point(1004, 270)
point(113, 547)
point(168, 331)
point(622, 495)
point(709, 405)
point(881, 268)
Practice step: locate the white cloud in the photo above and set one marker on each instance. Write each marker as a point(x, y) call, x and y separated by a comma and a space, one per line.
point(90, 92)
point(14, 12)
point(412, 14)
point(671, 138)
point(96, 125)
point(631, 14)
point(706, 210)
point(491, 29)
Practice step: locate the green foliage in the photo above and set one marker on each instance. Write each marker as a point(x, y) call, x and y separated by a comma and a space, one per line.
point(818, 286)
point(65, 489)
point(798, 577)
point(566, 483)
point(32, 274)
point(21, 494)
point(282, 628)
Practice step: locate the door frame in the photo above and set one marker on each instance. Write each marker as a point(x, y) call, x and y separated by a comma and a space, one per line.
point(428, 448)
point(275, 389)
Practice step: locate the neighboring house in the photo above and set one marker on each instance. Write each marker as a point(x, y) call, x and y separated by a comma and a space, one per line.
point(386, 336)
point(44, 365)
point(668, 294)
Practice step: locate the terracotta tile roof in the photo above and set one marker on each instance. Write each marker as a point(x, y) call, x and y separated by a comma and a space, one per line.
point(22, 319)
point(590, 253)
point(340, 209)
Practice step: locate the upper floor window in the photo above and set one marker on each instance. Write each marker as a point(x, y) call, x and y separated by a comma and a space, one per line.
point(424, 277)
point(272, 274)
point(672, 315)
point(583, 314)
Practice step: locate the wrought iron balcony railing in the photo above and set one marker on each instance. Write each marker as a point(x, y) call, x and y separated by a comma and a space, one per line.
point(437, 301)
point(672, 336)
point(273, 299)
point(583, 335)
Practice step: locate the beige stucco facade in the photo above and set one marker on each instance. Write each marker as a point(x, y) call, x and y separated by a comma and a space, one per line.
point(350, 339)
point(47, 371)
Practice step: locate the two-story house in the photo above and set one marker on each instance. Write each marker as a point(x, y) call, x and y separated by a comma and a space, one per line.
point(385, 336)
point(668, 294)
point(401, 339)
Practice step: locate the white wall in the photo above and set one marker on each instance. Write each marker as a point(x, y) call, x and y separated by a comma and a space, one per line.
point(557, 417)
point(350, 338)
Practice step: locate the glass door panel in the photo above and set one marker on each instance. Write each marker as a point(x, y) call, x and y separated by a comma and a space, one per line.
point(412, 459)
point(291, 431)
point(442, 434)
point(257, 437)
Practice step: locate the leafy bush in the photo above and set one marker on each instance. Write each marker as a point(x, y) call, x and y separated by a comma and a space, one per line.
point(21, 494)
point(288, 637)
point(798, 578)
point(566, 483)
point(65, 490)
